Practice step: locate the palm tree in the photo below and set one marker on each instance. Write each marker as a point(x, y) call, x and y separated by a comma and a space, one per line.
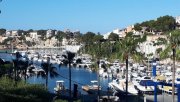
point(5, 68)
point(22, 67)
point(16, 65)
point(69, 57)
point(49, 69)
point(174, 42)
point(128, 49)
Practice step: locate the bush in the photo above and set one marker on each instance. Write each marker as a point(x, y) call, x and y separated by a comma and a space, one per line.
point(22, 92)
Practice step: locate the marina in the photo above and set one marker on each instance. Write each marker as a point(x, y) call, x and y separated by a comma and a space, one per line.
point(89, 51)
point(111, 79)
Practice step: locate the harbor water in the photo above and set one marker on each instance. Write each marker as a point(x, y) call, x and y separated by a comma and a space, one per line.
point(80, 76)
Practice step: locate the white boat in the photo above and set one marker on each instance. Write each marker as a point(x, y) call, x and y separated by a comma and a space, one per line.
point(141, 67)
point(39, 60)
point(105, 75)
point(35, 69)
point(35, 58)
point(92, 88)
point(59, 86)
point(144, 85)
point(121, 86)
point(101, 71)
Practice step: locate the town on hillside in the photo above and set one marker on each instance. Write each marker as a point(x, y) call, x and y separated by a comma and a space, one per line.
point(155, 31)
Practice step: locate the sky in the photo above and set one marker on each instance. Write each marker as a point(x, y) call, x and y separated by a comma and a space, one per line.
point(85, 15)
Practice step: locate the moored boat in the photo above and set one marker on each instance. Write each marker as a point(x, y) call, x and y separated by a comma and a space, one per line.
point(120, 86)
point(91, 89)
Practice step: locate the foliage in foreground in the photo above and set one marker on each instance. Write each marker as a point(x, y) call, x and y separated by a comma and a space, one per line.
point(11, 91)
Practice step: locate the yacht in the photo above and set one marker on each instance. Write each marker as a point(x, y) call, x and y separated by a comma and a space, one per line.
point(120, 86)
point(144, 85)
point(91, 89)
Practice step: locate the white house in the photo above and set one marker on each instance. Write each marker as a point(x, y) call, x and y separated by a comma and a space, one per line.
point(148, 46)
point(8, 33)
point(137, 33)
point(50, 42)
point(49, 33)
point(64, 41)
point(28, 38)
point(34, 35)
point(105, 36)
point(129, 29)
point(177, 19)
point(14, 33)
point(177, 22)
point(120, 32)
point(151, 38)
point(2, 38)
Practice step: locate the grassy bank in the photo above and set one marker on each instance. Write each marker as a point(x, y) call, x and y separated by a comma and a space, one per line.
point(11, 91)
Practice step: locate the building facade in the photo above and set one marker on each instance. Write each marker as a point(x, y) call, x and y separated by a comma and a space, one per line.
point(33, 35)
point(177, 22)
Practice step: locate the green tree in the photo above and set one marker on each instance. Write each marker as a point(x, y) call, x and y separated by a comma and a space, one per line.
point(30, 30)
point(178, 54)
point(22, 37)
point(5, 68)
point(69, 58)
point(174, 39)
point(128, 49)
point(20, 32)
point(113, 37)
point(175, 42)
point(50, 71)
point(16, 67)
point(160, 41)
point(6, 41)
point(60, 35)
point(22, 68)
point(97, 38)
point(42, 33)
point(163, 24)
point(137, 27)
point(78, 37)
point(87, 38)
point(2, 31)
